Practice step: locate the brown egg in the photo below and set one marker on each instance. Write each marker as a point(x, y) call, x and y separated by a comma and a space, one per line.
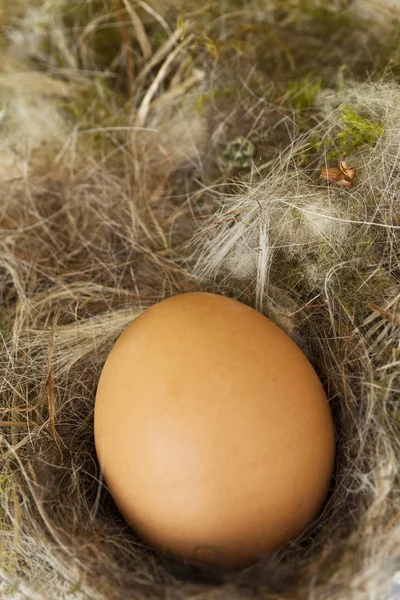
point(213, 431)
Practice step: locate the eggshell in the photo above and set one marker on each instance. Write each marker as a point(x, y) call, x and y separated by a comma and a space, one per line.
point(213, 431)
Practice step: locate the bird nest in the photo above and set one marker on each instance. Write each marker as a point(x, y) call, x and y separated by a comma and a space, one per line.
point(148, 149)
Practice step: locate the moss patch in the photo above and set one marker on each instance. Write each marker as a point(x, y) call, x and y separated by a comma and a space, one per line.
point(357, 131)
point(302, 94)
point(357, 281)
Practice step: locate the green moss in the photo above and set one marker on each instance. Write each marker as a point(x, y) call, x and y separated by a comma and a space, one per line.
point(288, 274)
point(356, 281)
point(357, 131)
point(303, 92)
point(301, 96)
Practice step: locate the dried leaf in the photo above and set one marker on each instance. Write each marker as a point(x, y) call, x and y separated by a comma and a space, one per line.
point(344, 175)
point(385, 314)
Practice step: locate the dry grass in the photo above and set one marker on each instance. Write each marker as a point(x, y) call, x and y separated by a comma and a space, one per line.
point(114, 118)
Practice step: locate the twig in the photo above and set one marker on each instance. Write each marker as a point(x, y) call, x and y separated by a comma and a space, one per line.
point(15, 424)
point(49, 386)
point(161, 53)
point(155, 15)
point(129, 62)
point(180, 89)
point(386, 315)
point(140, 31)
point(162, 73)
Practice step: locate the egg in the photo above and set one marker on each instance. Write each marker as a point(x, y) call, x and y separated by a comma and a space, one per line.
point(213, 431)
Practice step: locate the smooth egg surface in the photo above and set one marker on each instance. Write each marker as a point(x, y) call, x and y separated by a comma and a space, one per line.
point(213, 431)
